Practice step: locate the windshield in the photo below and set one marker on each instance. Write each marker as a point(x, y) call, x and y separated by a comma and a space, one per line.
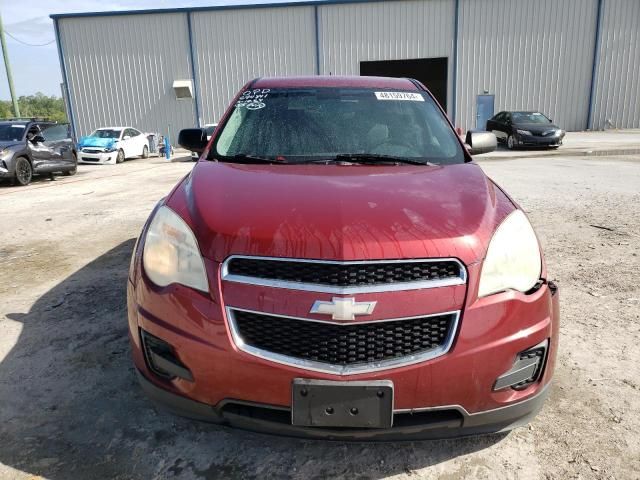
point(313, 124)
point(106, 133)
point(11, 132)
point(529, 117)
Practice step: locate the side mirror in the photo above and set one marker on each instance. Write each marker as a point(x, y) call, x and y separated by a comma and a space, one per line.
point(38, 139)
point(481, 142)
point(194, 139)
point(126, 137)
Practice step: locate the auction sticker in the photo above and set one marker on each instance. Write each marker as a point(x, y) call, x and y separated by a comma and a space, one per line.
point(412, 97)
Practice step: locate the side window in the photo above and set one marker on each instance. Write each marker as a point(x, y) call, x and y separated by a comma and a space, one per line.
point(134, 132)
point(127, 133)
point(56, 132)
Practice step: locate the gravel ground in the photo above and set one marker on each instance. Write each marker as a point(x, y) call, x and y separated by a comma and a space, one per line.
point(70, 407)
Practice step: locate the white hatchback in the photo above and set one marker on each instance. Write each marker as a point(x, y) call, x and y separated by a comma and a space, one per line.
point(112, 145)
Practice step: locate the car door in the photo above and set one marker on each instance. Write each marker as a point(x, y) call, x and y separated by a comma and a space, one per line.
point(126, 143)
point(491, 123)
point(57, 139)
point(500, 128)
point(42, 157)
point(139, 141)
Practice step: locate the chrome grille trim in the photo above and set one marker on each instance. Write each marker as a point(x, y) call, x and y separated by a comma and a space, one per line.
point(339, 369)
point(311, 287)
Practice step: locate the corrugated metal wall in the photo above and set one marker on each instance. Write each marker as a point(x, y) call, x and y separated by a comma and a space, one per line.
point(353, 33)
point(617, 93)
point(234, 46)
point(530, 54)
point(121, 69)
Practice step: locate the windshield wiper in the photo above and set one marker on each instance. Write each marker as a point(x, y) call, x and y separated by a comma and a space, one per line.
point(244, 158)
point(377, 158)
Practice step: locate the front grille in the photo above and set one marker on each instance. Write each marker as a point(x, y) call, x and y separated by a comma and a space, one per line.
point(88, 159)
point(91, 150)
point(344, 274)
point(546, 133)
point(343, 345)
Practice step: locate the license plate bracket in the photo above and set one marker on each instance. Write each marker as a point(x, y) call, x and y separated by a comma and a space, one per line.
point(357, 404)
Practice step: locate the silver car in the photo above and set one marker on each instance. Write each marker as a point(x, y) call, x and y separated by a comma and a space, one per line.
point(31, 147)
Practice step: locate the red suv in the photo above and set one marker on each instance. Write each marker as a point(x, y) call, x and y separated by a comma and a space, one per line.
point(336, 266)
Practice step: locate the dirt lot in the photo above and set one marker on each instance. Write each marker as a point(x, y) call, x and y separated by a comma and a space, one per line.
point(70, 407)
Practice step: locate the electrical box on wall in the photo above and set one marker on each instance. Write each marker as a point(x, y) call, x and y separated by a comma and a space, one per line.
point(183, 88)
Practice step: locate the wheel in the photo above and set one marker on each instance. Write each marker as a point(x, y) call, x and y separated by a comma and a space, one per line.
point(24, 172)
point(145, 152)
point(74, 170)
point(510, 142)
point(120, 157)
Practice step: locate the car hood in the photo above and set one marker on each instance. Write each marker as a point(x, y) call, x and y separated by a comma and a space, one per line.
point(341, 212)
point(9, 143)
point(536, 127)
point(97, 142)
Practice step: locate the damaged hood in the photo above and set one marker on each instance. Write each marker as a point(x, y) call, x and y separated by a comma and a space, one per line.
point(97, 142)
point(341, 212)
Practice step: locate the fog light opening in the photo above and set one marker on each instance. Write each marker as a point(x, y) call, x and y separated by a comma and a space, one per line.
point(161, 359)
point(526, 369)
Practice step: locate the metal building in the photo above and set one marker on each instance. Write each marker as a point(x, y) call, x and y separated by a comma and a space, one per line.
point(163, 70)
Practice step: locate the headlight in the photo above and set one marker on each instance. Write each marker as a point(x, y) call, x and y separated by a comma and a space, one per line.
point(171, 253)
point(524, 132)
point(513, 258)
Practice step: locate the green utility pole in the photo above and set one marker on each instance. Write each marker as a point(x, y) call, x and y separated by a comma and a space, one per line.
point(7, 66)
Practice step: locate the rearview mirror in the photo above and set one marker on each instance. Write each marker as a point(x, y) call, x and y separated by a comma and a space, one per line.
point(194, 139)
point(481, 142)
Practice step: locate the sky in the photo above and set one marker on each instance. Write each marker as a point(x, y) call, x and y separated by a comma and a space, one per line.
point(37, 69)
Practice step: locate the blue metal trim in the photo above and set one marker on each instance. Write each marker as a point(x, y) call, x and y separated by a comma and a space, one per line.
point(304, 3)
point(454, 80)
point(594, 66)
point(315, 14)
point(196, 92)
point(63, 68)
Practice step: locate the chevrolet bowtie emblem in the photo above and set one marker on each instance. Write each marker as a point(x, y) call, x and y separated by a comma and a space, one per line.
point(343, 308)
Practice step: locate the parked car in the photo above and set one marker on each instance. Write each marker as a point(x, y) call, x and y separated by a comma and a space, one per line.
point(113, 145)
point(530, 129)
point(209, 128)
point(338, 267)
point(35, 147)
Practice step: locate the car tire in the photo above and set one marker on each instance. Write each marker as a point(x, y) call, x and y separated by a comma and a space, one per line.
point(145, 152)
point(74, 170)
point(510, 142)
point(120, 157)
point(24, 172)
point(554, 147)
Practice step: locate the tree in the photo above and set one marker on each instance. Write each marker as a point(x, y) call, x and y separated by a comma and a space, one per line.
point(38, 105)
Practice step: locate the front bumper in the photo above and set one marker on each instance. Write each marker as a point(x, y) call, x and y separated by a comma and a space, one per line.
point(536, 141)
point(99, 158)
point(7, 168)
point(492, 332)
point(420, 424)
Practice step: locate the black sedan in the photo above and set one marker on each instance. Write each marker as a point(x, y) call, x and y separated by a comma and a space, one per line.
point(520, 129)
